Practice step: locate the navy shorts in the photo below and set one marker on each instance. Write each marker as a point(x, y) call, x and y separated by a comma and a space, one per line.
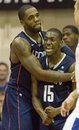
point(16, 113)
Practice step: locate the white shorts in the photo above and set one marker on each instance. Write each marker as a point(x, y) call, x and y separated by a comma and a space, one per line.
point(72, 122)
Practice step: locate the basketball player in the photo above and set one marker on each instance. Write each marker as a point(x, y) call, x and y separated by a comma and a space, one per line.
point(17, 105)
point(72, 122)
point(70, 36)
point(52, 94)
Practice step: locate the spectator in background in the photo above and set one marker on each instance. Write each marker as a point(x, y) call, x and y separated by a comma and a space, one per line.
point(70, 36)
point(3, 83)
point(3, 74)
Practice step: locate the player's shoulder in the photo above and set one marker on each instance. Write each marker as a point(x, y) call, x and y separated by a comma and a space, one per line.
point(69, 61)
point(67, 51)
point(19, 43)
point(70, 58)
point(20, 39)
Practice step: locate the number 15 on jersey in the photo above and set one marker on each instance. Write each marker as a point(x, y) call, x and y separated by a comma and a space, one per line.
point(48, 94)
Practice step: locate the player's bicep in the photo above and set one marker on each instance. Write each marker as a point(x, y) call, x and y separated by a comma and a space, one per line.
point(21, 48)
point(29, 61)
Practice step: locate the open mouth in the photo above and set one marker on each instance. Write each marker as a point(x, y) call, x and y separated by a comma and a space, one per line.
point(48, 49)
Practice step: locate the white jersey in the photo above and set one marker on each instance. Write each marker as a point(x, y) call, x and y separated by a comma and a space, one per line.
point(77, 67)
point(72, 122)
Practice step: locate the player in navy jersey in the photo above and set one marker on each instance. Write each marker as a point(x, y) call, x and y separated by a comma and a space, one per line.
point(17, 106)
point(48, 97)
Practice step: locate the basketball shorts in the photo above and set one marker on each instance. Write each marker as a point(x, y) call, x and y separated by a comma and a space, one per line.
point(16, 113)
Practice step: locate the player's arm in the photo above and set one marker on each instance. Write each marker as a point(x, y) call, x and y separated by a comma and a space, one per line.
point(37, 104)
point(77, 69)
point(22, 50)
point(72, 69)
point(69, 103)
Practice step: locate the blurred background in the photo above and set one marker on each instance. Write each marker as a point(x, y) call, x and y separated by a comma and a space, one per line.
point(54, 13)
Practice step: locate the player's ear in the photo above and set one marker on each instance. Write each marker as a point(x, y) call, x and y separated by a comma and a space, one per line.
point(77, 36)
point(22, 22)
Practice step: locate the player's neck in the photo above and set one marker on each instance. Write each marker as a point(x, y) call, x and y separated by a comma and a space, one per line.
point(30, 33)
point(55, 58)
point(73, 48)
point(34, 36)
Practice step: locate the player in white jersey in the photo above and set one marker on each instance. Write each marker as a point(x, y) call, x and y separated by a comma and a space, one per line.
point(72, 122)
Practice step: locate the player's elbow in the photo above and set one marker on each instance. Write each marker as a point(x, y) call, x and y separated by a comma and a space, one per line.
point(39, 74)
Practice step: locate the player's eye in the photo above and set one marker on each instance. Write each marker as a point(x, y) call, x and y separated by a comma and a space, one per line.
point(30, 17)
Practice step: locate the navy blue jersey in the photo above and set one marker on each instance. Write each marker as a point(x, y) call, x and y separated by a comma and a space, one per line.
point(53, 94)
point(68, 51)
point(17, 108)
point(36, 48)
point(20, 78)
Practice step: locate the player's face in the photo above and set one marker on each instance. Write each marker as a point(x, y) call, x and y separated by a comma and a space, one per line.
point(76, 12)
point(32, 20)
point(51, 43)
point(69, 37)
point(3, 73)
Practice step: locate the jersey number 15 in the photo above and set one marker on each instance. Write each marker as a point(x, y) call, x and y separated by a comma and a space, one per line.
point(48, 94)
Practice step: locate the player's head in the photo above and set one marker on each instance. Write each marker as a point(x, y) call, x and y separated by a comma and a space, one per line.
point(29, 18)
point(76, 12)
point(52, 41)
point(70, 35)
point(3, 71)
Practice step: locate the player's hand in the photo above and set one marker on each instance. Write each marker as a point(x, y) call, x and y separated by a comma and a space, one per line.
point(46, 120)
point(51, 111)
point(67, 106)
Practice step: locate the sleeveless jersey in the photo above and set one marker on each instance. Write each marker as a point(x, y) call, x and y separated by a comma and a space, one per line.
point(53, 94)
point(68, 51)
point(20, 78)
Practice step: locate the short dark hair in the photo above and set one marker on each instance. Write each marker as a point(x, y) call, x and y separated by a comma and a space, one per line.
point(22, 10)
point(5, 64)
point(57, 31)
point(73, 28)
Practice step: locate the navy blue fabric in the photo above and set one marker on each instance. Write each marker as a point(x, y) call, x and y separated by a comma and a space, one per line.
point(18, 112)
point(53, 94)
point(68, 51)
